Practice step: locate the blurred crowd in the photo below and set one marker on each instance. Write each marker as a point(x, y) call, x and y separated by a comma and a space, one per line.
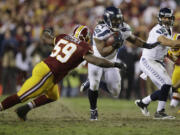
point(22, 23)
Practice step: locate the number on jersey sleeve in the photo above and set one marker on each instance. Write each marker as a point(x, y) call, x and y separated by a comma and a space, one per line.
point(161, 31)
point(66, 50)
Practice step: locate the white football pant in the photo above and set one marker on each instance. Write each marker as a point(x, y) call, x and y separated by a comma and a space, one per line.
point(111, 77)
point(155, 71)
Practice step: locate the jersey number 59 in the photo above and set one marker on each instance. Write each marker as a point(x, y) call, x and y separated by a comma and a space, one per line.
point(63, 53)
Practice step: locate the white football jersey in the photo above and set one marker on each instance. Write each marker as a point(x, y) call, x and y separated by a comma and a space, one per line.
point(158, 52)
point(102, 31)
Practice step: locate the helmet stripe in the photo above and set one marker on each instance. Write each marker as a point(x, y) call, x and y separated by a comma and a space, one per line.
point(78, 31)
point(54, 40)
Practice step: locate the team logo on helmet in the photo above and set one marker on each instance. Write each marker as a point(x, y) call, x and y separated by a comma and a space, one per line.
point(82, 32)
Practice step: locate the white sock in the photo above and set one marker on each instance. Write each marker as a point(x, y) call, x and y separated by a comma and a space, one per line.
point(31, 105)
point(161, 105)
point(174, 102)
point(147, 100)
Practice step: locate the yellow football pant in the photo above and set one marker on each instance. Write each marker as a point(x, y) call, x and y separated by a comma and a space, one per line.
point(41, 82)
point(176, 75)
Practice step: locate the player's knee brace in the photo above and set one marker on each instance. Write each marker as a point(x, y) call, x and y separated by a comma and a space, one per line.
point(164, 92)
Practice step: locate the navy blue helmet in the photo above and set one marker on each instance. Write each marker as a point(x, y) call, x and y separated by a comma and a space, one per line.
point(166, 13)
point(113, 17)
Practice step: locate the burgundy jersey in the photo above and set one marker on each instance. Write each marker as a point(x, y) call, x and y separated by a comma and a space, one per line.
point(67, 54)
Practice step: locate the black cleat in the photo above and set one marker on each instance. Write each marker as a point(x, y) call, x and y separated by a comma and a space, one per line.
point(84, 86)
point(22, 112)
point(143, 107)
point(94, 115)
point(162, 115)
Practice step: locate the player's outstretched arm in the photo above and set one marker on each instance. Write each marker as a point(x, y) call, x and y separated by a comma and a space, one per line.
point(168, 42)
point(90, 58)
point(48, 36)
point(140, 42)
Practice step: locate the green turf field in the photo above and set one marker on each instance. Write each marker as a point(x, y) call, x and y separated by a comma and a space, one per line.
point(70, 116)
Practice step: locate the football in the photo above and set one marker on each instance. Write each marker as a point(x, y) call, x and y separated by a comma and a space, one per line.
point(110, 40)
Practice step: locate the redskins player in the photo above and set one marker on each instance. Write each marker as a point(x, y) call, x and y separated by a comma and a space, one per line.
point(174, 55)
point(68, 53)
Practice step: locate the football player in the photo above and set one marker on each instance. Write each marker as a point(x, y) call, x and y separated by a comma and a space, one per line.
point(69, 52)
point(174, 55)
point(152, 64)
point(112, 23)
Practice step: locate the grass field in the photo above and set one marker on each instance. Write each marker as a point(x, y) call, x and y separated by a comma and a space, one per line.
point(70, 116)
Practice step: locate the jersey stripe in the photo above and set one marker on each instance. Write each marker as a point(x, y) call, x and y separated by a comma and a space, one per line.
point(36, 87)
point(104, 33)
point(152, 71)
point(175, 36)
point(158, 31)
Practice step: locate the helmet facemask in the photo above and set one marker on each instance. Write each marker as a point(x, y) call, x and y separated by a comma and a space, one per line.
point(116, 22)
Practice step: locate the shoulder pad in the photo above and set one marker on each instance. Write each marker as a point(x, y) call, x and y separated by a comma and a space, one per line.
point(125, 27)
point(161, 30)
point(58, 37)
point(101, 31)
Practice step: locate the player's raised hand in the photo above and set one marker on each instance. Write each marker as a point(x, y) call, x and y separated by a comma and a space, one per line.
point(120, 65)
point(47, 36)
point(48, 30)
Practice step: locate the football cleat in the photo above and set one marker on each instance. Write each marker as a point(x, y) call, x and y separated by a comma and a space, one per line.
point(84, 86)
point(143, 107)
point(94, 115)
point(162, 115)
point(22, 112)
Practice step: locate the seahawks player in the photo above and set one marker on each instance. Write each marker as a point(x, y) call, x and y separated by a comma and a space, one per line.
point(152, 63)
point(112, 23)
